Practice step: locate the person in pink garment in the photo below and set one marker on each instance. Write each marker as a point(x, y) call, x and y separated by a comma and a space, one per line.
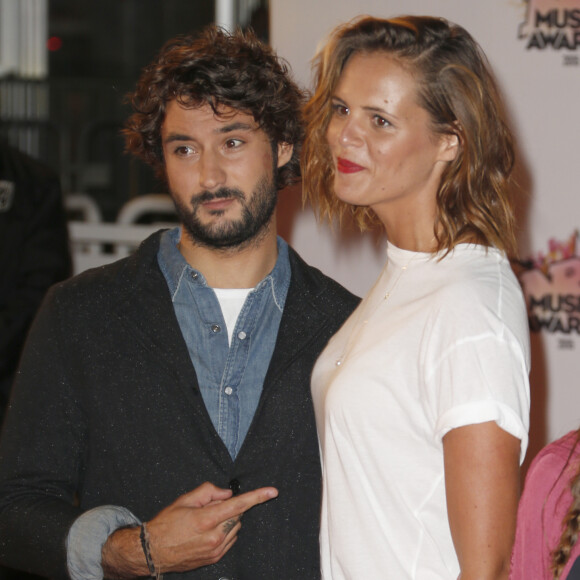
point(546, 546)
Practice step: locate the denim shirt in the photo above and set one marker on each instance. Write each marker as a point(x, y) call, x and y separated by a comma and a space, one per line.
point(230, 377)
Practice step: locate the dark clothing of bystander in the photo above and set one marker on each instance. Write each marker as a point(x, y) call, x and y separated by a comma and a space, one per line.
point(34, 251)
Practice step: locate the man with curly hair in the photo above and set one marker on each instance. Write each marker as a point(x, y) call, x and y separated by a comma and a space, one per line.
point(173, 429)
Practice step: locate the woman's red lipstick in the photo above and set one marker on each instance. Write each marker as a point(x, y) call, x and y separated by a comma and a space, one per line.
point(346, 166)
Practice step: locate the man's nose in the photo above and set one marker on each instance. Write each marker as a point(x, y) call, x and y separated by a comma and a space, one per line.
point(211, 173)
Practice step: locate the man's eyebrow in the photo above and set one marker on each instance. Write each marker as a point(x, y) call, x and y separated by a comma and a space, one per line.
point(236, 126)
point(177, 137)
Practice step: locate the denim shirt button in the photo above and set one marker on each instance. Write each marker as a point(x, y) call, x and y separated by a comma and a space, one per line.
point(216, 328)
point(241, 335)
point(194, 275)
point(228, 390)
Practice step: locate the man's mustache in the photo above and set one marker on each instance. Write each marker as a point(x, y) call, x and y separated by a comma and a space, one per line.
point(221, 193)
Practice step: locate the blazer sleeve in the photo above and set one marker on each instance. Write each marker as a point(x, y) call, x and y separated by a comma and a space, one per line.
point(41, 453)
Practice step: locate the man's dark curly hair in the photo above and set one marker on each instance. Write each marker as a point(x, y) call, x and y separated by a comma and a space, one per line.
point(219, 69)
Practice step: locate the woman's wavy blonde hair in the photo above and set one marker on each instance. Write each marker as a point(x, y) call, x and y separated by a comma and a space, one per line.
point(456, 87)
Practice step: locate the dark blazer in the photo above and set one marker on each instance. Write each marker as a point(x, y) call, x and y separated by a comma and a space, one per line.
point(107, 410)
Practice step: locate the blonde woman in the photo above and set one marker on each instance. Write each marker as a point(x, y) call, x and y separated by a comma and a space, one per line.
point(422, 397)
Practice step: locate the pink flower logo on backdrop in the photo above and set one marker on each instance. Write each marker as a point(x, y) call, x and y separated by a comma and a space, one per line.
point(551, 284)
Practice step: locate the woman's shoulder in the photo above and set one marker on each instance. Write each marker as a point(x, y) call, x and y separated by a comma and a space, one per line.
point(476, 265)
point(473, 277)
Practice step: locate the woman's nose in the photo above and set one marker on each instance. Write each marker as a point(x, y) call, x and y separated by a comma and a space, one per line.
point(350, 133)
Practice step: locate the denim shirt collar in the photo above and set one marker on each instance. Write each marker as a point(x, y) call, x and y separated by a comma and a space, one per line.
point(175, 267)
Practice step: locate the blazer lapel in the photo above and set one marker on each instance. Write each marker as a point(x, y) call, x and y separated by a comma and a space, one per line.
point(158, 333)
point(302, 321)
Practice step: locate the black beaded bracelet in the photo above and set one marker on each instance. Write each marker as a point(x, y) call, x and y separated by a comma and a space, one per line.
point(144, 535)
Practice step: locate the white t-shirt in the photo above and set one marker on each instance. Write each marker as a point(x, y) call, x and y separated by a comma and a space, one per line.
point(231, 302)
point(448, 347)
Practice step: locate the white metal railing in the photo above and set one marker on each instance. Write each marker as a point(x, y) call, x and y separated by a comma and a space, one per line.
point(96, 243)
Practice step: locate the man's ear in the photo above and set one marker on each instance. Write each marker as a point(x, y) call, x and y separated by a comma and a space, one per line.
point(284, 153)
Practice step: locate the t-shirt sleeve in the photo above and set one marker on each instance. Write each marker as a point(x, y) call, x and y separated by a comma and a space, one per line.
point(479, 379)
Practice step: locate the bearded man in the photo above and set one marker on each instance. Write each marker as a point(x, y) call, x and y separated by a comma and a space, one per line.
point(163, 396)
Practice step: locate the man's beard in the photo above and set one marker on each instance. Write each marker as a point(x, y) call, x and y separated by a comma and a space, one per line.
point(250, 227)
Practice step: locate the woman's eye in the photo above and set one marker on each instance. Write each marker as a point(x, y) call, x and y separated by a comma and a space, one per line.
point(380, 121)
point(340, 110)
